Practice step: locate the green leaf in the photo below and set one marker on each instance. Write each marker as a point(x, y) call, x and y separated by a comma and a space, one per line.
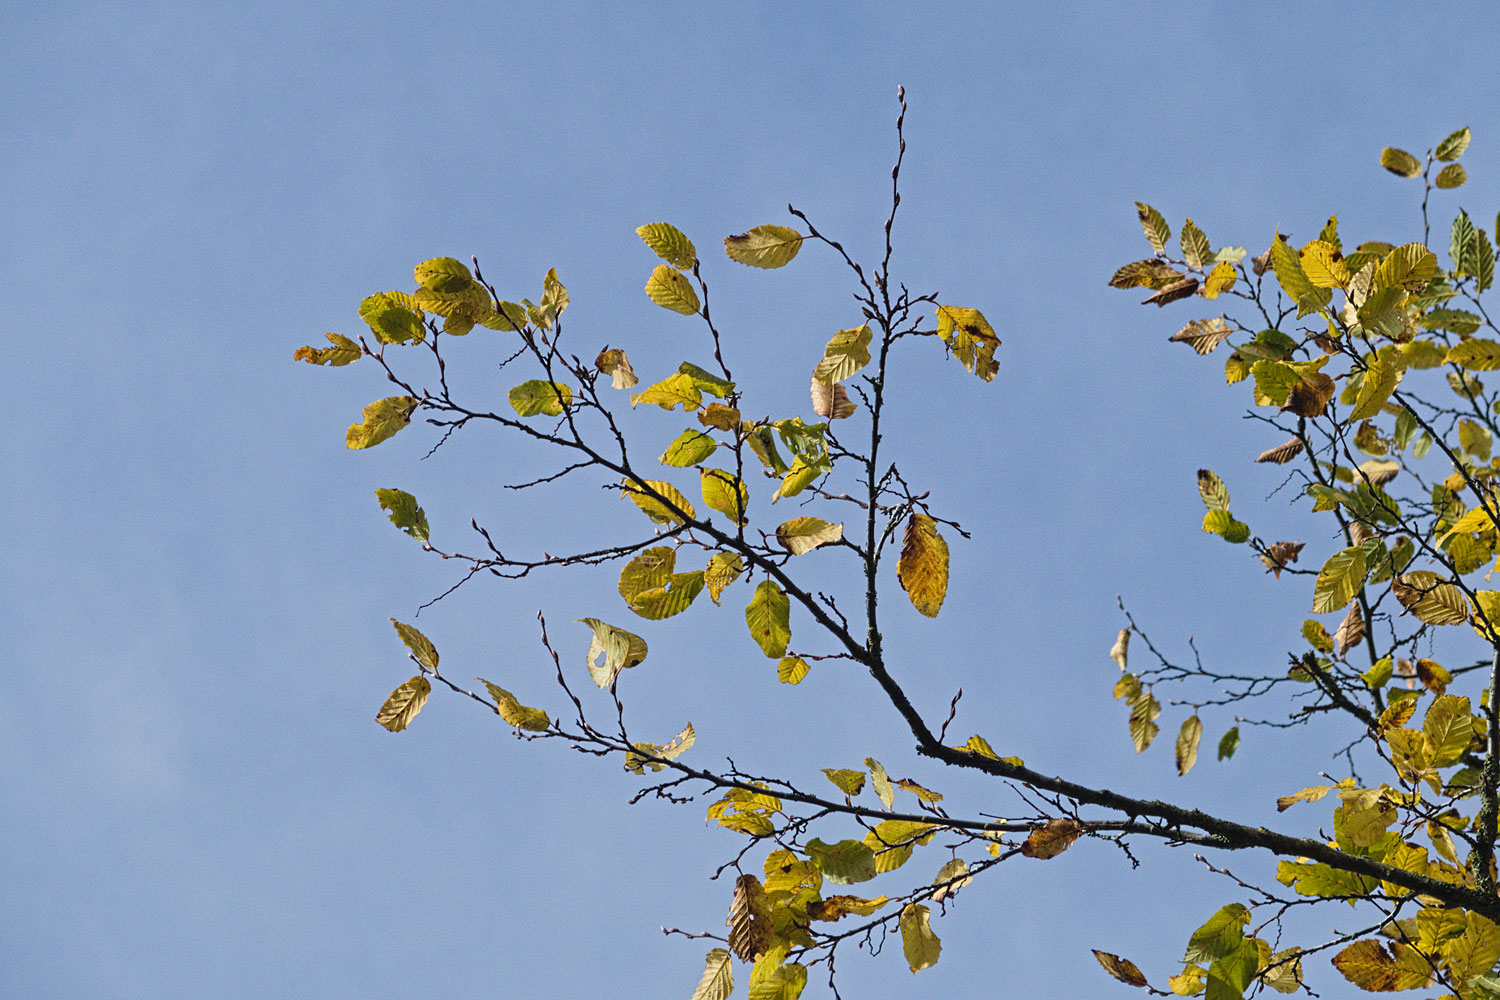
point(1195, 246)
point(1229, 743)
point(1294, 281)
point(394, 317)
point(443, 274)
point(421, 647)
point(846, 353)
point(1381, 379)
point(718, 977)
point(847, 780)
point(1144, 710)
point(382, 419)
point(725, 493)
point(1339, 580)
point(706, 381)
point(1400, 162)
point(1478, 354)
point(1452, 147)
point(677, 389)
point(669, 243)
point(785, 982)
point(670, 289)
point(653, 590)
point(845, 862)
point(611, 650)
point(1220, 936)
point(1213, 491)
point(1409, 266)
point(1154, 226)
point(404, 704)
point(923, 566)
point(764, 246)
point(919, 944)
point(343, 352)
point(512, 711)
point(1451, 176)
point(1481, 261)
point(791, 670)
point(535, 396)
point(404, 512)
point(653, 506)
point(689, 448)
point(801, 535)
point(768, 615)
point(1223, 524)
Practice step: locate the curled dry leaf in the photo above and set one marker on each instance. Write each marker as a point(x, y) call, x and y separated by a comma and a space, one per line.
point(749, 920)
point(831, 402)
point(1121, 648)
point(1179, 289)
point(1122, 969)
point(1279, 555)
point(1203, 335)
point(1351, 630)
point(1282, 453)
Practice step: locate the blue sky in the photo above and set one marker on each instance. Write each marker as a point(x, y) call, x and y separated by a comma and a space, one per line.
point(198, 579)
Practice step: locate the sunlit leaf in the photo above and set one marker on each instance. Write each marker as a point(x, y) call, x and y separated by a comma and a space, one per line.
point(677, 389)
point(1400, 162)
point(1051, 838)
point(764, 246)
point(669, 243)
point(382, 419)
point(1121, 649)
point(638, 758)
point(971, 339)
point(725, 493)
point(512, 711)
point(654, 503)
point(1339, 580)
point(689, 448)
point(443, 274)
point(421, 647)
point(343, 352)
point(1203, 335)
point(722, 570)
point(1122, 969)
point(1431, 599)
point(1154, 226)
point(1451, 176)
point(612, 362)
point(611, 650)
point(1195, 246)
point(923, 566)
point(1453, 146)
point(768, 615)
point(1187, 743)
point(718, 978)
point(831, 402)
point(920, 945)
point(404, 512)
point(670, 289)
point(803, 534)
point(843, 863)
point(404, 704)
point(846, 353)
point(881, 782)
point(535, 397)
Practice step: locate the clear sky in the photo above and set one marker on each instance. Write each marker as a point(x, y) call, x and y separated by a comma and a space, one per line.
point(196, 587)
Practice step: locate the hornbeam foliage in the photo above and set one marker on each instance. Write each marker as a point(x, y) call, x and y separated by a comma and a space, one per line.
point(1364, 355)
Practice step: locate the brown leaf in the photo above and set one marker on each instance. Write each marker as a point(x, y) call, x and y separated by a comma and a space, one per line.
point(1405, 669)
point(831, 402)
point(1151, 273)
point(1179, 289)
point(1282, 453)
point(1310, 396)
point(1360, 532)
point(1203, 335)
point(1351, 630)
point(1052, 838)
point(1280, 555)
point(749, 920)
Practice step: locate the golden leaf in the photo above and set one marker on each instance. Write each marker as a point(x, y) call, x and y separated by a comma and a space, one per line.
point(923, 566)
point(1052, 838)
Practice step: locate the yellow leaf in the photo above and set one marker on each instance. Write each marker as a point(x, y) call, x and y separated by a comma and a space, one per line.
point(1052, 838)
point(920, 945)
point(1219, 280)
point(847, 352)
point(1400, 162)
point(1323, 263)
point(1122, 969)
point(382, 419)
point(923, 566)
point(791, 670)
point(404, 704)
point(1476, 354)
point(421, 647)
point(835, 907)
point(654, 503)
point(1144, 709)
point(343, 352)
point(1381, 379)
point(611, 650)
point(1431, 599)
point(1294, 280)
point(1366, 965)
point(718, 978)
point(1187, 743)
point(725, 493)
point(722, 570)
point(670, 289)
point(803, 534)
point(768, 616)
point(764, 246)
point(536, 396)
point(669, 243)
point(512, 711)
point(1409, 266)
point(612, 362)
point(719, 416)
point(971, 339)
point(637, 759)
point(443, 274)
point(1339, 580)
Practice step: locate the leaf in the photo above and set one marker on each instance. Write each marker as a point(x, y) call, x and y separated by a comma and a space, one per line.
point(718, 978)
point(1478, 355)
point(1433, 675)
point(706, 381)
point(920, 791)
point(404, 704)
point(847, 352)
point(1451, 176)
point(835, 907)
point(768, 616)
point(971, 339)
point(382, 419)
point(512, 711)
point(611, 650)
point(1179, 289)
point(404, 512)
point(1218, 281)
point(843, 863)
point(1381, 379)
point(923, 566)
point(1144, 710)
point(725, 493)
point(689, 448)
point(1366, 965)
point(785, 982)
point(1409, 266)
point(1051, 838)
point(535, 396)
point(655, 507)
point(669, 243)
point(1313, 794)
point(1213, 491)
point(421, 647)
point(1149, 273)
point(1449, 728)
point(670, 289)
point(1121, 648)
point(1122, 969)
point(749, 919)
point(1229, 743)
point(1223, 524)
point(847, 780)
point(1432, 600)
point(652, 590)
point(1187, 743)
point(343, 352)
point(1452, 147)
point(1351, 631)
point(764, 246)
point(612, 362)
point(1220, 936)
point(791, 670)
point(1189, 982)
point(1154, 226)
point(1294, 281)
point(1282, 453)
point(803, 534)
point(1339, 580)
point(831, 402)
point(443, 274)
point(953, 876)
point(1203, 335)
point(1195, 246)
point(1279, 555)
point(723, 569)
point(920, 945)
point(1323, 263)
point(880, 782)
point(637, 759)
point(1400, 162)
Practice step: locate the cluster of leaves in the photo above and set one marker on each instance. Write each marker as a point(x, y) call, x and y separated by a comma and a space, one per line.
point(1339, 356)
